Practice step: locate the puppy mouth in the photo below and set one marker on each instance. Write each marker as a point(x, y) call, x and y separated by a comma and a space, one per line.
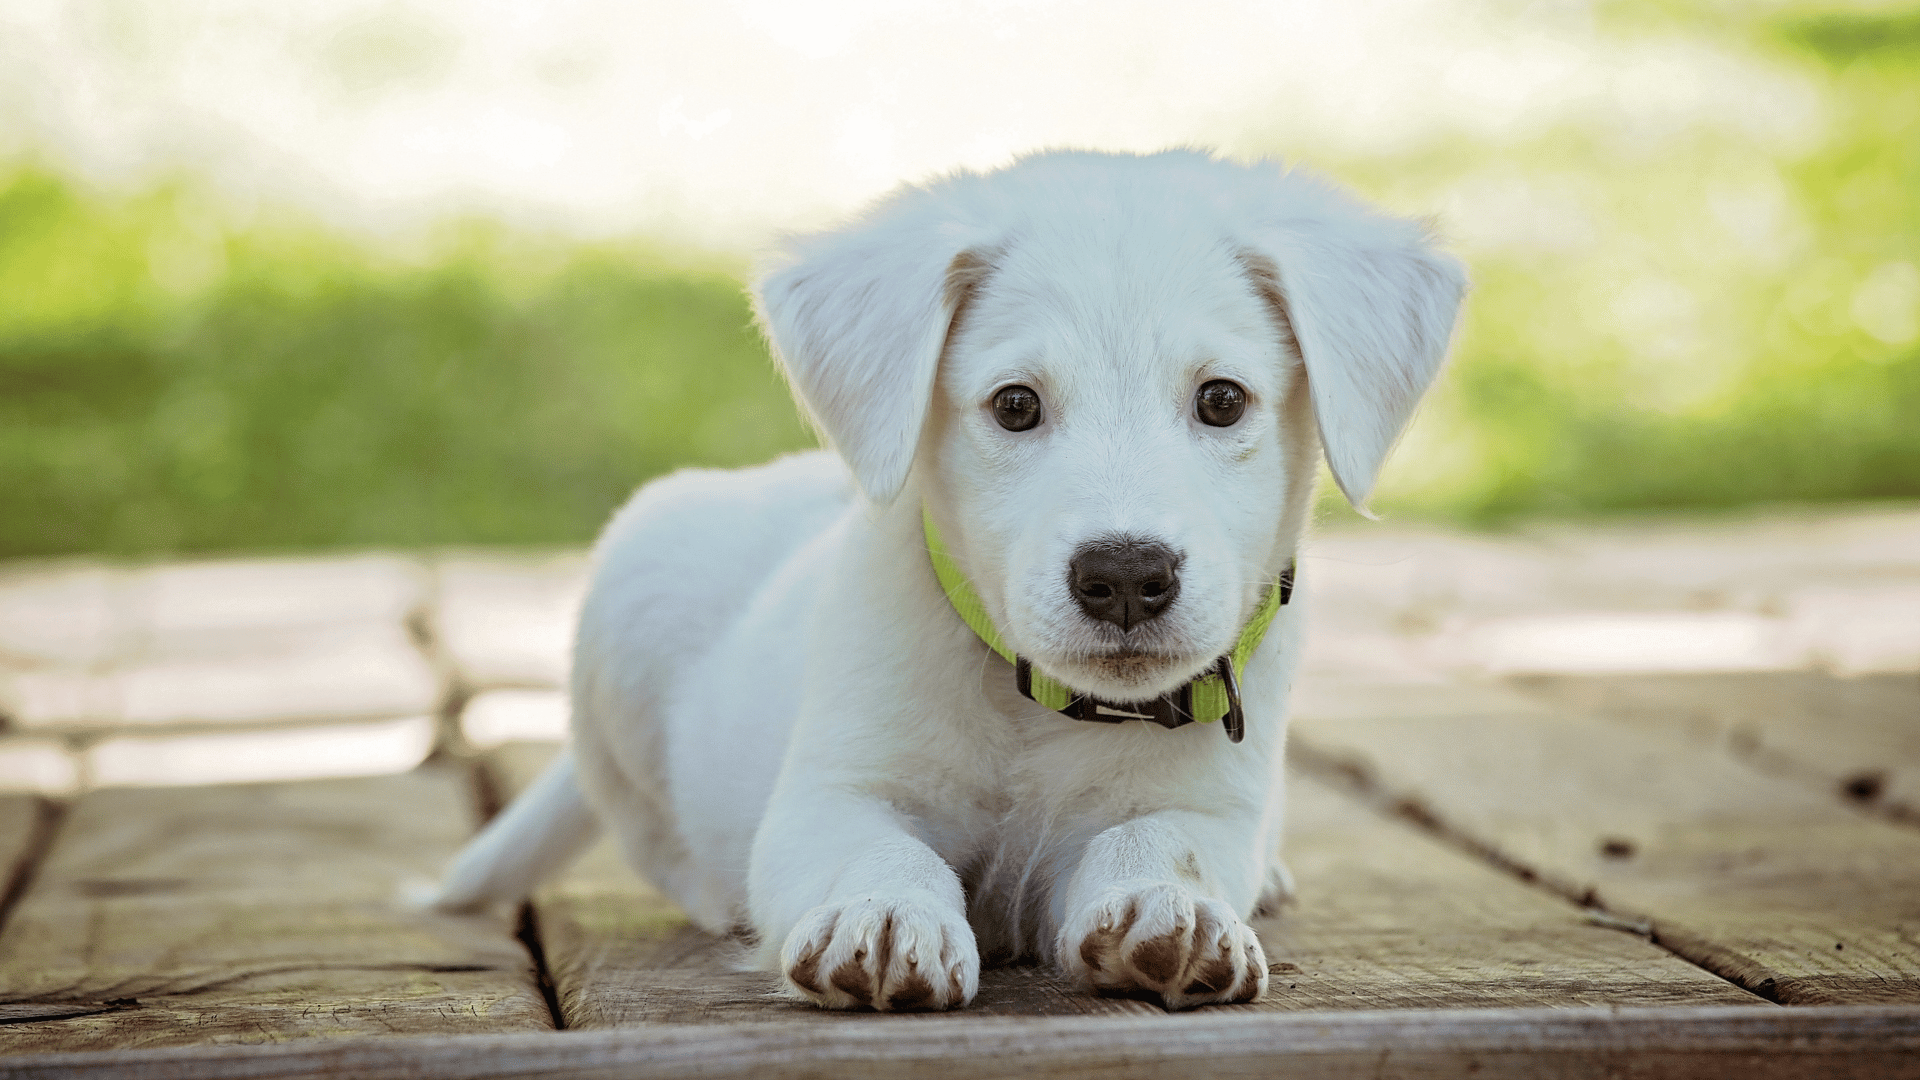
point(1101, 659)
point(1130, 667)
point(1134, 666)
point(1127, 654)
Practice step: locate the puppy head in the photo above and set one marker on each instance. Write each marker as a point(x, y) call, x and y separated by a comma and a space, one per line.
point(1110, 378)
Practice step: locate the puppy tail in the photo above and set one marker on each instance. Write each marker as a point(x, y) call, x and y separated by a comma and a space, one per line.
point(544, 829)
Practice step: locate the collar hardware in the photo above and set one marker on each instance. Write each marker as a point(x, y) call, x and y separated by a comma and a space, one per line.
point(1212, 696)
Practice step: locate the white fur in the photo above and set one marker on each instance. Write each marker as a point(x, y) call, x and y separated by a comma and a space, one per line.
point(546, 828)
point(783, 720)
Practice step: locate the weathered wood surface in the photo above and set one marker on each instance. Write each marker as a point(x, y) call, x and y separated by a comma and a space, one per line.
point(619, 952)
point(1834, 1043)
point(253, 914)
point(1780, 887)
point(1389, 918)
point(1858, 738)
point(1386, 918)
point(223, 643)
point(20, 821)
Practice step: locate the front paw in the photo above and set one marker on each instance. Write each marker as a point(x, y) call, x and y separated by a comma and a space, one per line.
point(887, 955)
point(1161, 938)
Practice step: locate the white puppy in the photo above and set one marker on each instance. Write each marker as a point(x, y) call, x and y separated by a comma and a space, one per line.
point(1102, 384)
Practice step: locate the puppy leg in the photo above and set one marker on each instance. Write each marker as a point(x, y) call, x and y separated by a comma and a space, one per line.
point(868, 916)
point(1142, 914)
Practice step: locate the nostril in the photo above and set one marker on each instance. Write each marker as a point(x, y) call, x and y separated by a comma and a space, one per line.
point(1098, 590)
point(1152, 589)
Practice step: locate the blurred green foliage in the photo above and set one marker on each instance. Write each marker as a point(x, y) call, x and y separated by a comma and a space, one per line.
point(169, 387)
point(1702, 317)
point(1697, 317)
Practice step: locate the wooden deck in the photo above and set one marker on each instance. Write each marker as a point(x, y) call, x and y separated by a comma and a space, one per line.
point(1504, 870)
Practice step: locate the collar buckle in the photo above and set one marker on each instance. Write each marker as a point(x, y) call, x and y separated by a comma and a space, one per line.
point(1235, 721)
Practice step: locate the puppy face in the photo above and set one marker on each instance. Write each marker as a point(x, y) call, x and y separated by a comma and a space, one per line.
point(1109, 378)
point(1119, 422)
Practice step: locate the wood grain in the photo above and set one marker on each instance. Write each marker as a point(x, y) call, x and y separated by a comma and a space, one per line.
point(1386, 918)
point(256, 913)
point(1776, 886)
point(619, 952)
point(1857, 738)
point(1881, 1043)
point(1390, 918)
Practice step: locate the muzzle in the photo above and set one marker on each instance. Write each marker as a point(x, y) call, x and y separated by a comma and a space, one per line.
point(1210, 697)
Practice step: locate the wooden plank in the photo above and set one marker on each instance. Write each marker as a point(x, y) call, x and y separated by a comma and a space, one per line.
point(508, 621)
point(619, 952)
point(257, 913)
point(1858, 738)
point(19, 820)
point(23, 820)
point(213, 644)
point(1777, 887)
point(1840, 1043)
point(1386, 918)
point(1389, 918)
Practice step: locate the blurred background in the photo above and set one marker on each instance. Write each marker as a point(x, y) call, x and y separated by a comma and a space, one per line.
point(318, 278)
point(404, 272)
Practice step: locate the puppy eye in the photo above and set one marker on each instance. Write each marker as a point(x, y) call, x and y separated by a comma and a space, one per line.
point(1220, 403)
point(1016, 407)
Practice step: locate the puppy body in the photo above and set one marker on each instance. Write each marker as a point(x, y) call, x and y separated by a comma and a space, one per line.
point(778, 710)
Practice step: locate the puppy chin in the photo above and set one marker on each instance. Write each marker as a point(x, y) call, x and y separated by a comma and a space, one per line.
point(1100, 659)
point(1125, 675)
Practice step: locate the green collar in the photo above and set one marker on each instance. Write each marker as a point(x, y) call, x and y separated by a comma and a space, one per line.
point(1213, 696)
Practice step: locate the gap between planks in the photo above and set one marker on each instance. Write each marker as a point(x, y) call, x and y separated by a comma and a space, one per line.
point(39, 836)
point(1358, 780)
point(1388, 918)
point(166, 916)
point(31, 840)
point(1854, 738)
point(488, 801)
point(1779, 889)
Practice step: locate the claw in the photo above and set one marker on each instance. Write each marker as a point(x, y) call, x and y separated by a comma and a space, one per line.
point(855, 946)
point(1187, 950)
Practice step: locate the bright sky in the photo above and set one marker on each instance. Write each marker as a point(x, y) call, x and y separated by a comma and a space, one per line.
point(715, 122)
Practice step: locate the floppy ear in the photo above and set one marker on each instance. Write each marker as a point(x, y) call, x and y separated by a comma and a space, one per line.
point(858, 319)
point(1371, 304)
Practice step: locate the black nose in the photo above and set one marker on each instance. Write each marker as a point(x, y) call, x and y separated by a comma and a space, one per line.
point(1124, 581)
